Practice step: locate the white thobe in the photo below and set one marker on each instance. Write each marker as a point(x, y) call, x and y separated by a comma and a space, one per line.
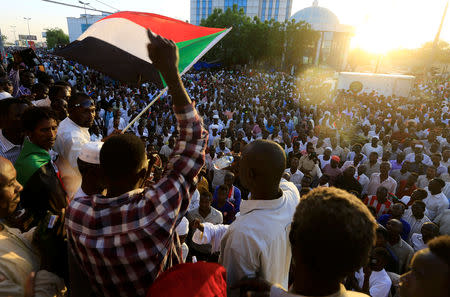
point(69, 141)
point(252, 246)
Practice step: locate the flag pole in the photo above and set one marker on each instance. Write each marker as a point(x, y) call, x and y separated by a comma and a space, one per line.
point(199, 56)
point(163, 91)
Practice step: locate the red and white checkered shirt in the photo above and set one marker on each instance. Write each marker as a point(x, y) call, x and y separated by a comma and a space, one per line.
point(124, 243)
point(381, 208)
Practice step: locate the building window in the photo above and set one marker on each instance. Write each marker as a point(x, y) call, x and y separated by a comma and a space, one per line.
point(263, 11)
point(277, 7)
point(288, 4)
point(269, 12)
point(198, 12)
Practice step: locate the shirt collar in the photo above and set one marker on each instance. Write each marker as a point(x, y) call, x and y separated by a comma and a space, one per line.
point(341, 293)
point(248, 206)
point(6, 144)
point(76, 126)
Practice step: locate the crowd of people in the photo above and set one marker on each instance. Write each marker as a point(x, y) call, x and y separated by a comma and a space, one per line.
point(264, 182)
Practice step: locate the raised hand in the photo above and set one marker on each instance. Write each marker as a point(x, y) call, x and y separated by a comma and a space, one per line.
point(163, 53)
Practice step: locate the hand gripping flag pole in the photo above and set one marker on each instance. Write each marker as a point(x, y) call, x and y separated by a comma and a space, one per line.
point(163, 91)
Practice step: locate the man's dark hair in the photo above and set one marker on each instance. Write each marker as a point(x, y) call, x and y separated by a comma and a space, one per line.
point(440, 246)
point(44, 78)
point(76, 98)
point(420, 202)
point(53, 92)
point(381, 231)
point(382, 252)
point(334, 247)
point(33, 115)
point(122, 155)
point(204, 192)
point(423, 192)
point(439, 181)
point(83, 166)
point(222, 188)
point(5, 104)
point(38, 87)
point(63, 83)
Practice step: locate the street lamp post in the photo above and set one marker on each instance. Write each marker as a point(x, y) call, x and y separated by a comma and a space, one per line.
point(14, 32)
point(28, 23)
point(85, 14)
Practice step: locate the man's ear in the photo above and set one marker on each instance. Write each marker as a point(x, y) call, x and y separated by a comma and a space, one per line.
point(143, 173)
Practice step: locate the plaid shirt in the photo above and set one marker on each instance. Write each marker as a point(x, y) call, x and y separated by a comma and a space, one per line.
point(124, 243)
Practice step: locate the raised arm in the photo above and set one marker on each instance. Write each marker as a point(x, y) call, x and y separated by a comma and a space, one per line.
point(174, 190)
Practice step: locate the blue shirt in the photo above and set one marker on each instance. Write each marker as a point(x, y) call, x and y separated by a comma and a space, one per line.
point(227, 211)
point(235, 199)
point(383, 219)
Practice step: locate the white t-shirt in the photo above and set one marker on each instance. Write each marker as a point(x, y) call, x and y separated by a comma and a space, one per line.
point(379, 282)
point(4, 95)
point(435, 204)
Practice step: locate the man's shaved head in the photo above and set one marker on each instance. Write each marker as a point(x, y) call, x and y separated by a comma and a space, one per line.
point(262, 165)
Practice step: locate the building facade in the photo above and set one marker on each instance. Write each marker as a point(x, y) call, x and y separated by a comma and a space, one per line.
point(76, 26)
point(334, 42)
point(279, 10)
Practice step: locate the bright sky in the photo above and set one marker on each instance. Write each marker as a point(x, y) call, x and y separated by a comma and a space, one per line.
point(380, 24)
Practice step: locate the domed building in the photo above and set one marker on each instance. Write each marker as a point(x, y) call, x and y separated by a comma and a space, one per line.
point(333, 44)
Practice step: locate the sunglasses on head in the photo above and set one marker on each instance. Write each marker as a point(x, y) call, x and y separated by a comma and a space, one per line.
point(86, 104)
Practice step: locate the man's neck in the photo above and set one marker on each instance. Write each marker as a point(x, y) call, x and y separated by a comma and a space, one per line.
point(74, 121)
point(204, 213)
point(419, 217)
point(91, 189)
point(305, 286)
point(221, 203)
point(266, 195)
point(394, 240)
point(13, 136)
point(118, 190)
point(293, 170)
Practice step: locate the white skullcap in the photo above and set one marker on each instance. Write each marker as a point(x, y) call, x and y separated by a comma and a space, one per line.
point(90, 152)
point(418, 146)
point(215, 116)
point(183, 227)
point(328, 148)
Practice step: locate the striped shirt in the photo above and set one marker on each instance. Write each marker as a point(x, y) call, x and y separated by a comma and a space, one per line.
point(123, 243)
point(381, 208)
point(8, 149)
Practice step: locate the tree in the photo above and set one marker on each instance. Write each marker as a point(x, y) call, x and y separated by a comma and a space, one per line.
point(275, 44)
point(4, 37)
point(56, 37)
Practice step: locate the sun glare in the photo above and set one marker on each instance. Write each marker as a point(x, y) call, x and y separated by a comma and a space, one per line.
point(393, 24)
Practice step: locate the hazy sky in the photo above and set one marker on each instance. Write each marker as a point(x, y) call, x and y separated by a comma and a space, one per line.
point(380, 24)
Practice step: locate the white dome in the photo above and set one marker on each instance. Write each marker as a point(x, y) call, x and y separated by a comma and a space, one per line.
point(316, 16)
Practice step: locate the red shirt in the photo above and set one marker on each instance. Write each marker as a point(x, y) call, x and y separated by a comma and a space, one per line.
point(403, 190)
point(381, 208)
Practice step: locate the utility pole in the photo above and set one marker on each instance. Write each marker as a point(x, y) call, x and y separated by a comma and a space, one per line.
point(28, 23)
point(2, 50)
point(85, 14)
point(14, 32)
point(436, 38)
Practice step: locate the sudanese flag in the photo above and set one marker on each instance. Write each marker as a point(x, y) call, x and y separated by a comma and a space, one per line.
point(117, 45)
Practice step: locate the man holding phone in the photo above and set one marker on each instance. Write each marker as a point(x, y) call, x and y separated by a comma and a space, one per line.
point(17, 277)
